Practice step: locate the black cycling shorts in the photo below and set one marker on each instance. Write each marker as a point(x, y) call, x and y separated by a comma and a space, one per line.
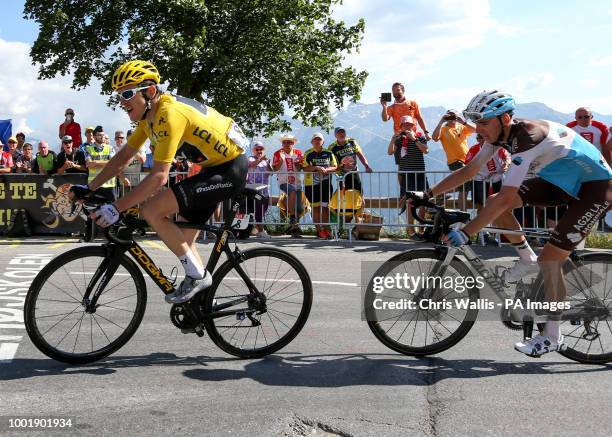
point(319, 194)
point(199, 195)
point(581, 214)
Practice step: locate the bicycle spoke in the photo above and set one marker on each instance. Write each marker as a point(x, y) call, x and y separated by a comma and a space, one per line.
point(70, 277)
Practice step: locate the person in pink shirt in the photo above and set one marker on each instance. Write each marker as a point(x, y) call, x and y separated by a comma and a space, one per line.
point(595, 132)
point(71, 128)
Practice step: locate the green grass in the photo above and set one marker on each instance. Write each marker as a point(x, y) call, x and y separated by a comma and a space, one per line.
point(599, 241)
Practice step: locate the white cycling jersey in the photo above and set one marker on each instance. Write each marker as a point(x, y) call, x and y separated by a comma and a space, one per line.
point(550, 151)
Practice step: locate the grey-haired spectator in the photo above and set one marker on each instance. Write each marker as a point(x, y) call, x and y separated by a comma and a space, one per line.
point(595, 132)
point(46, 160)
point(259, 173)
point(26, 161)
point(70, 127)
point(70, 159)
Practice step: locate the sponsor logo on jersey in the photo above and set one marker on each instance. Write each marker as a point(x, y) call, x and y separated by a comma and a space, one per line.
point(161, 121)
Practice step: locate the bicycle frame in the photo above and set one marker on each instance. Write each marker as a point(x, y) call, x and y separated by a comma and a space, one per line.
point(117, 247)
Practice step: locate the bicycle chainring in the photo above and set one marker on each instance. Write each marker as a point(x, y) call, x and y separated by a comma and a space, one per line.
point(181, 318)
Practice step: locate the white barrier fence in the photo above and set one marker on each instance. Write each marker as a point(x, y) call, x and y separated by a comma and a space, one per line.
point(321, 205)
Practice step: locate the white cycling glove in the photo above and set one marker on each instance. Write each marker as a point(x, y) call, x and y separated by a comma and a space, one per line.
point(106, 215)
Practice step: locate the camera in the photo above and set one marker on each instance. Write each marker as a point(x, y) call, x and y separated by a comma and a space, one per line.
point(385, 97)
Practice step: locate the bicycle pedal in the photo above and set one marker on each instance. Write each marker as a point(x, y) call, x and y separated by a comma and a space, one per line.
point(199, 331)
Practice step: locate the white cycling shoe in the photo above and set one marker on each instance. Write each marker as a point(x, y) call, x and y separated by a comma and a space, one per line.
point(189, 288)
point(539, 345)
point(520, 270)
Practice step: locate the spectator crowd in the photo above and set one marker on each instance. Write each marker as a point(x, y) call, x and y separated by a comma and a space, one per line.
point(314, 189)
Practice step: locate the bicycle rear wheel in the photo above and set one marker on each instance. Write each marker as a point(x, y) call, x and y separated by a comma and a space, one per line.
point(589, 286)
point(416, 331)
point(54, 311)
point(287, 288)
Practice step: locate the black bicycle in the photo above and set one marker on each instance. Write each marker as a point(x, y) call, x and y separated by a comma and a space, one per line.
point(428, 319)
point(88, 302)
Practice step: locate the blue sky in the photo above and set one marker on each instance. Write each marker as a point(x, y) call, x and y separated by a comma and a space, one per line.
point(444, 51)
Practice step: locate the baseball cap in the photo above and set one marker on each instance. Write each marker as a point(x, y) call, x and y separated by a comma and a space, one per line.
point(12, 139)
point(98, 129)
point(66, 138)
point(407, 119)
point(318, 135)
point(89, 129)
point(338, 129)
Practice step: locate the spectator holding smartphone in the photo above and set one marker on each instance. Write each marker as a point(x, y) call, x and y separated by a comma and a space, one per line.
point(71, 128)
point(452, 131)
point(402, 106)
point(408, 148)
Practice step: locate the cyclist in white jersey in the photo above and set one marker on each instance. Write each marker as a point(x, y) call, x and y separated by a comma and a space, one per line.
point(551, 165)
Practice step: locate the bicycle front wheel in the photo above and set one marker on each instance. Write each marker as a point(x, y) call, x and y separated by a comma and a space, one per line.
point(422, 324)
point(589, 290)
point(55, 308)
point(248, 331)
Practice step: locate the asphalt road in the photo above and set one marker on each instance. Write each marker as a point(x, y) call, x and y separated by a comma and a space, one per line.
point(335, 378)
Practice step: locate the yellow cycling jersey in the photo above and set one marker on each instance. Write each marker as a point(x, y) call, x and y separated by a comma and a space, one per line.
point(190, 130)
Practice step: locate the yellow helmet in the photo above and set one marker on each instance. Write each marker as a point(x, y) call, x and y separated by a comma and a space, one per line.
point(134, 73)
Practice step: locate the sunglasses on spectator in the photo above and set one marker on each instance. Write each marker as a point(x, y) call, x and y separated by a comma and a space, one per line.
point(288, 142)
point(69, 113)
point(66, 142)
point(580, 117)
point(129, 94)
point(119, 138)
point(258, 149)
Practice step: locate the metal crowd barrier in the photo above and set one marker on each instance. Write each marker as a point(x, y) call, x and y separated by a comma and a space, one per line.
point(381, 197)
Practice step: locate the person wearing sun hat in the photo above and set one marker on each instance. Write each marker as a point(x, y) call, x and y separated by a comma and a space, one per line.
point(287, 161)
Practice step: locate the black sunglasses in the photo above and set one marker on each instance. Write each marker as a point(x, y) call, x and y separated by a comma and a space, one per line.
point(581, 117)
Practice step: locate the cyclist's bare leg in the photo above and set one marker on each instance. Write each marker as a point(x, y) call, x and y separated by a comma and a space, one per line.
point(156, 212)
point(551, 262)
point(507, 220)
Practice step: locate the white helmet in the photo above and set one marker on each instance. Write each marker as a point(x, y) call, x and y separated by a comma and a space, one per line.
point(489, 104)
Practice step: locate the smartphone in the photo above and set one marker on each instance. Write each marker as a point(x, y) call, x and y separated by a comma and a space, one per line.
point(385, 97)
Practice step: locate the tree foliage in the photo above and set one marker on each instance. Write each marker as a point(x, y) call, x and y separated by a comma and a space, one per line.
point(251, 59)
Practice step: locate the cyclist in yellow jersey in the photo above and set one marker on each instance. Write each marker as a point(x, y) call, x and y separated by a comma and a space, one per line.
point(181, 128)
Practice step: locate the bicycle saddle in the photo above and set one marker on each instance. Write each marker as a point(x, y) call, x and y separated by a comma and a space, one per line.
point(455, 216)
point(255, 190)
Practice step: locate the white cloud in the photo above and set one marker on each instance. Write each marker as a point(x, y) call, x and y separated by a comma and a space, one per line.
point(590, 82)
point(525, 84)
point(37, 106)
point(600, 60)
point(408, 39)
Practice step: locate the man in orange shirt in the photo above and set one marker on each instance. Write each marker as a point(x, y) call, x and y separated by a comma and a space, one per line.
point(401, 107)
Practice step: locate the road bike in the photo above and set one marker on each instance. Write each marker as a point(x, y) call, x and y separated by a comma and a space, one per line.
point(88, 302)
point(434, 321)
